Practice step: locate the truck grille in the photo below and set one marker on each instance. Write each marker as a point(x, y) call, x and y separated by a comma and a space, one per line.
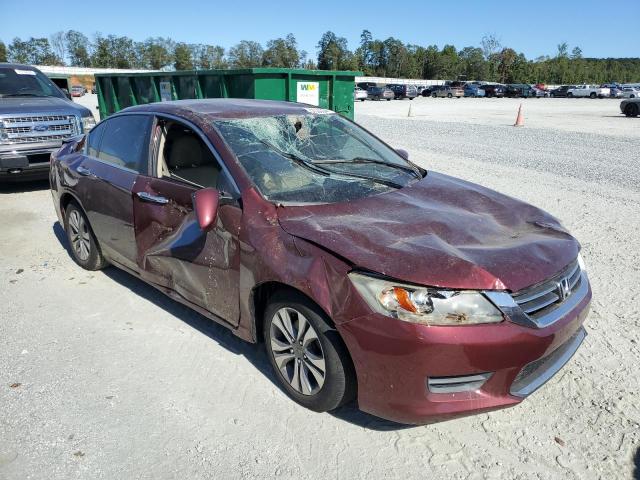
point(538, 300)
point(37, 128)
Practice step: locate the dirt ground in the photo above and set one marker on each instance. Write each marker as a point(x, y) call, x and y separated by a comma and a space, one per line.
point(102, 377)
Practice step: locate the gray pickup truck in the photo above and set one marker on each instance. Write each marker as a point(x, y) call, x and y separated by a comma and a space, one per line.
point(35, 118)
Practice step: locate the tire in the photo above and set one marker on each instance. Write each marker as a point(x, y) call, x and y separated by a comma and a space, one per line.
point(569, 95)
point(592, 95)
point(362, 99)
point(321, 345)
point(83, 245)
point(434, 95)
point(631, 110)
point(388, 99)
point(449, 95)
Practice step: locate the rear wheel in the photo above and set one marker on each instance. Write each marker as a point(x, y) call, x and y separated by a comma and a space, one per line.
point(307, 353)
point(84, 247)
point(631, 110)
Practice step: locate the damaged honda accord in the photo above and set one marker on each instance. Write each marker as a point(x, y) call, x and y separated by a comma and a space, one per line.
point(368, 278)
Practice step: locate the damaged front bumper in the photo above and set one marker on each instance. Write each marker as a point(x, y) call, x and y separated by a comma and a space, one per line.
point(415, 374)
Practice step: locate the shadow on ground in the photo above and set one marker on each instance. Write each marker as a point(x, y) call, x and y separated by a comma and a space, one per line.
point(636, 465)
point(7, 188)
point(255, 354)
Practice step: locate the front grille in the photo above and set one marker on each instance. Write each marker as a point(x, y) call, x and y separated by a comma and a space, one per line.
point(535, 374)
point(540, 299)
point(37, 128)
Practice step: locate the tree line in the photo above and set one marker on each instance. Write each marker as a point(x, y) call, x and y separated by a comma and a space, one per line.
point(489, 61)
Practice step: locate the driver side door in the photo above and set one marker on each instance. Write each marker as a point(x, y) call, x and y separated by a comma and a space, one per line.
point(172, 251)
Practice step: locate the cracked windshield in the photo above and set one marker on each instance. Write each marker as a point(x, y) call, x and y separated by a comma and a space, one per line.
point(315, 158)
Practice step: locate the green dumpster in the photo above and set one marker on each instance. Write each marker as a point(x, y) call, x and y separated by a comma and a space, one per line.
point(62, 81)
point(323, 88)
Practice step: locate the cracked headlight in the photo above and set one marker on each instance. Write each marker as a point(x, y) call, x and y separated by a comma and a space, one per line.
point(88, 123)
point(427, 306)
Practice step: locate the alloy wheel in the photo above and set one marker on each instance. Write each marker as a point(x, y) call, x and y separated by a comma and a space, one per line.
point(297, 351)
point(80, 238)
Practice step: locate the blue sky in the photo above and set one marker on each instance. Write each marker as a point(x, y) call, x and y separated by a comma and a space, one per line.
point(598, 28)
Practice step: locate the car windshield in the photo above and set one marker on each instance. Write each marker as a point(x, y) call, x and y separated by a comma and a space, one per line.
point(23, 82)
point(314, 158)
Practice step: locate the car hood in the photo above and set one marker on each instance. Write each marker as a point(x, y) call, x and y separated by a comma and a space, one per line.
point(42, 105)
point(441, 232)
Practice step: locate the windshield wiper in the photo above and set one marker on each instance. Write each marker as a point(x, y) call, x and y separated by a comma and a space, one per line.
point(311, 165)
point(23, 95)
point(361, 160)
point(298, 160)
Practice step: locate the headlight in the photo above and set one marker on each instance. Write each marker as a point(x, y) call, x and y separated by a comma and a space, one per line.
point(581, 263)
point(423, 305)
point(88, 123)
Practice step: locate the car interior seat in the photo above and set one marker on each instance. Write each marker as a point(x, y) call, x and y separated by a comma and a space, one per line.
point(189, 159)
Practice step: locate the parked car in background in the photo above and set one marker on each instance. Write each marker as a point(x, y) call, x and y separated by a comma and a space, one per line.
point(519, 90)
point(539, 92)
point(561, 91)
point(630, 107)
point(380, 93)
point(77, 91)
point(482, 302)
point(448, 91)
point(35, 118)
point(616, 91)
point(494, 90)
point(473, 90)
point(590, 91)
point(630, 92)
point(428, 90)
point(403, 91)
point(93, 89)
point(366, 85)
point(359, 94)
point(420, 89)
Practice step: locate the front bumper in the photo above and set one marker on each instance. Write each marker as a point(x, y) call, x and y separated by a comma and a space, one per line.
point(22, 162)
point(395, 361)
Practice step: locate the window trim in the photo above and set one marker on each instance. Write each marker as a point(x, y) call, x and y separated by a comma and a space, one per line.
point(224, 170)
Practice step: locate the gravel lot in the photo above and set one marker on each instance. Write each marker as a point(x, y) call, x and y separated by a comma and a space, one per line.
point(103, 377)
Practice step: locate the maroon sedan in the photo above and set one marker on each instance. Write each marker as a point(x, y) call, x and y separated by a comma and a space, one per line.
point(366, 277)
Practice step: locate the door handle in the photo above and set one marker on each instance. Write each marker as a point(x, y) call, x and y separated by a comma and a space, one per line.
point(85, 172)
point(147, 197)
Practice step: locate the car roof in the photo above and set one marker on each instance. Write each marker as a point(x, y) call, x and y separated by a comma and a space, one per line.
point(213, 108)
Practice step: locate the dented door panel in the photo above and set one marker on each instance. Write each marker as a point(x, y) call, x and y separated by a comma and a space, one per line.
point(202, 267)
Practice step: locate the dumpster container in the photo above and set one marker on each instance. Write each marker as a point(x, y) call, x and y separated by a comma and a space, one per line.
point(323, 88)
point(61, 81)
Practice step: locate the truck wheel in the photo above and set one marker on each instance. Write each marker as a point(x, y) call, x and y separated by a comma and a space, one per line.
point(307, 354)
point(85, 250)
point(569, 95)
point(631, 110)
point(434, 95)
point(449, 95)
point(592, 95)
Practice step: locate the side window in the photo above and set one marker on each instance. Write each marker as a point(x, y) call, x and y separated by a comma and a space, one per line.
point(125, 142)
point(185, 157)
point(93, 140)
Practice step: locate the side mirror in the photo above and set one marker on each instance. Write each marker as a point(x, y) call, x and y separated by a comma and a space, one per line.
point(403, 153)
point(205, 204)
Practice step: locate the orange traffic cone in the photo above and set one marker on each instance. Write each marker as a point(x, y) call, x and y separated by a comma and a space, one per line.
point(519, 118)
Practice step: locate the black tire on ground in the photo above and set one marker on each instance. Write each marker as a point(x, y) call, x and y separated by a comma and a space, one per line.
point(569, 95)
point(77, 227)
point(449, 95)
point(434, 94)
point(592, 95)
point(362, 99)
point(631, 110)
point(339, 385)
point(388, 99)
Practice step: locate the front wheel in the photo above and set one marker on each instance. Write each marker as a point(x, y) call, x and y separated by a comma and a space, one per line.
point(84, 246)
point(307, 353)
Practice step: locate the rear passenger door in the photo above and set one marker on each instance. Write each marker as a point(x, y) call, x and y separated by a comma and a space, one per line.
point(116, 154)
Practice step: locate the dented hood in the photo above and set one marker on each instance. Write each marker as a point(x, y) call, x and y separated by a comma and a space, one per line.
point(440, 231)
